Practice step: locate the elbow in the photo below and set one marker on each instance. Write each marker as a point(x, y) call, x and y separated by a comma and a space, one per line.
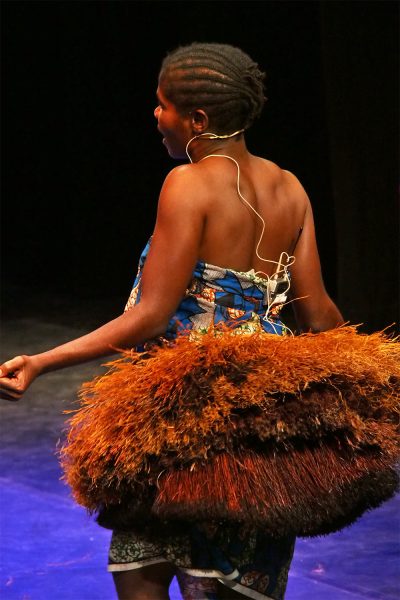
point(159, 328)
point(153, 320)
point(318, 318)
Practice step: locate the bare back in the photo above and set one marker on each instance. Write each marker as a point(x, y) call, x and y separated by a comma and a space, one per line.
point(232, 229)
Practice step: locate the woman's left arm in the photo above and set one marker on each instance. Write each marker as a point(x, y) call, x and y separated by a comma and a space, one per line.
point(166, 274)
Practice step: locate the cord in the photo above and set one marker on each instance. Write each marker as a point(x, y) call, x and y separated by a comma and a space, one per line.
point(285, 261)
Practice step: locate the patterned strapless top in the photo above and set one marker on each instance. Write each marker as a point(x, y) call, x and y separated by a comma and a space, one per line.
point(220, 295)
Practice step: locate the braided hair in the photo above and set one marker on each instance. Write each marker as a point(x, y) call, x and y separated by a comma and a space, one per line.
point(218, 78)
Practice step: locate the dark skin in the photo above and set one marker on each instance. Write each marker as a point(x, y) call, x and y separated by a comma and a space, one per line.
point(200, 217)
point(152, 583)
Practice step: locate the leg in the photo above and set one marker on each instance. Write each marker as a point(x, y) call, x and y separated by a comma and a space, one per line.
point(225, 593)
point(196, 588)
point(204, 588)
point(148, 583)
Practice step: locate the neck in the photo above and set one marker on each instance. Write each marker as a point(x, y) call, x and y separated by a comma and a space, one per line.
point(201, 146)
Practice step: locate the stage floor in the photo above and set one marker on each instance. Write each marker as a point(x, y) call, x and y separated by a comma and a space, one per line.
point(51, 548)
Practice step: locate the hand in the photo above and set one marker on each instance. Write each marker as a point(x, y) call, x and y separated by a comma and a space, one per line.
point(16, 375)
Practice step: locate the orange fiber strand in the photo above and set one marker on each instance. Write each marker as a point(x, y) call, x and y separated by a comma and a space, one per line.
point(275, 428)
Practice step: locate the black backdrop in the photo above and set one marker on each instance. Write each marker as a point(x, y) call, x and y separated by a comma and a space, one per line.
point(83, 163)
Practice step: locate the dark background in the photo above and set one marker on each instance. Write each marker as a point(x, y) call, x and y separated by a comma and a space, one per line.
point(82, 161)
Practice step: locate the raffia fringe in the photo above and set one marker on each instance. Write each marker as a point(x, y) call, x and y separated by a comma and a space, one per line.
point(295, 434)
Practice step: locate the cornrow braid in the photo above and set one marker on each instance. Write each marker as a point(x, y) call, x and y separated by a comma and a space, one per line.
point(219, 78)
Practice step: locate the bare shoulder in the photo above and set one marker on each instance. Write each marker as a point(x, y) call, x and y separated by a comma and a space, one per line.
point(293, 184)
point(183, 181)
point(281, 176)
point(182, 191)
point(183, 175)
point(285, 182)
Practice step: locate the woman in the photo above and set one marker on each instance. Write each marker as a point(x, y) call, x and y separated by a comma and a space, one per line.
point(233, 233)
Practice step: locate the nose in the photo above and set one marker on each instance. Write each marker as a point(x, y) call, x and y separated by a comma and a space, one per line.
point(156, 111)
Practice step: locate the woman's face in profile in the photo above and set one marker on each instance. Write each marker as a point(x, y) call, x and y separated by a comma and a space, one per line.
point(175, 128)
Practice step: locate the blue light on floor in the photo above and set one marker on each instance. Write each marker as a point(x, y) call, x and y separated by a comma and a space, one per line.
point(51, 549)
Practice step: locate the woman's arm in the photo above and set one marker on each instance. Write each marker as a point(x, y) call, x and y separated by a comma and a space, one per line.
point(315, 310)
point(166, 274)
point(125, 331)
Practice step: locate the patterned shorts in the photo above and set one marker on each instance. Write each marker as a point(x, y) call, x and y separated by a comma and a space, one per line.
point(243, 559)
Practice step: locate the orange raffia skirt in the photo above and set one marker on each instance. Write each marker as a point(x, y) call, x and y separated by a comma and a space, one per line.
point(297, 435)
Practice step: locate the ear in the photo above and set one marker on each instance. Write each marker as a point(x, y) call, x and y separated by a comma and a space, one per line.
point(199, 121)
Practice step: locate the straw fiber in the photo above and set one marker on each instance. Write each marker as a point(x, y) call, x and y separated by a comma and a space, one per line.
point(292, 434)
